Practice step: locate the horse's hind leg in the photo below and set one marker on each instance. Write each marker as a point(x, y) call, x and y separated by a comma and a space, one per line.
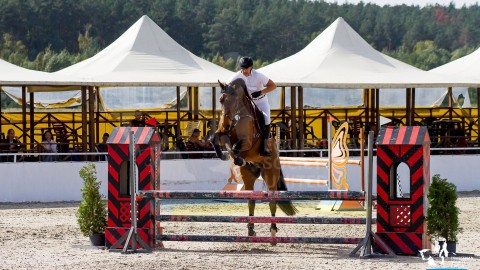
point(273, 226)
point(249, 175)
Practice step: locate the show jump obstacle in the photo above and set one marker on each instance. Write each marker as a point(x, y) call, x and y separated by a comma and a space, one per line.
point(401, 218)
point(134, 214)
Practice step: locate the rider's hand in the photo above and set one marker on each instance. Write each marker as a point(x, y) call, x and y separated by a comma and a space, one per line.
point(256, 94)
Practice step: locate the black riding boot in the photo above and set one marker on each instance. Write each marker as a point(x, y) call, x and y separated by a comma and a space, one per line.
point(264, 151)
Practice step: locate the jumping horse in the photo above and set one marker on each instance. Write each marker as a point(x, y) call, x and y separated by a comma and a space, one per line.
point(239, 131)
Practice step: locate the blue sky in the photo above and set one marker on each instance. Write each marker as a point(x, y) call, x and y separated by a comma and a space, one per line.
point(458, 3)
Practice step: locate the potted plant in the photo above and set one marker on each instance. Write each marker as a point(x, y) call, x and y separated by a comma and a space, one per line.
point(442, 214)
point(92, 213)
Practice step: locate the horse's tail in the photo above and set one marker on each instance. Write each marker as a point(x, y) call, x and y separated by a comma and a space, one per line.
point(286, 206)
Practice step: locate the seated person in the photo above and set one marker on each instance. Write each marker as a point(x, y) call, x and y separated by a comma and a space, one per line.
point(48, 145)
point(103, 147)
point(139, 120)
point(10, 145)
point(199, 144)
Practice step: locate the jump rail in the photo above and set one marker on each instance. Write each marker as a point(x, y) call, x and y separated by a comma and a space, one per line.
point(258, 239)
point(253, 219)
point(255, 195)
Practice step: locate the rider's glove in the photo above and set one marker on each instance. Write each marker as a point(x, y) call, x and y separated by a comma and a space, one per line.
point(256, 94)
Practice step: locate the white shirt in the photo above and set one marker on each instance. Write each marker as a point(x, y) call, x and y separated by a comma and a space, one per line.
point(255, 82)
point(50, 146)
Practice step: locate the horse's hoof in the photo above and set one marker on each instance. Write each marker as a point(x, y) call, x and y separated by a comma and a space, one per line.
point(239, 161)
point(273, 233)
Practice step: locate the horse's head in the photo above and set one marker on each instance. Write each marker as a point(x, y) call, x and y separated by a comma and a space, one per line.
point(232, 101)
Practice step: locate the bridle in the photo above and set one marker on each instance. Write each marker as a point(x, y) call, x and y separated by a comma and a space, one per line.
point(238, 112)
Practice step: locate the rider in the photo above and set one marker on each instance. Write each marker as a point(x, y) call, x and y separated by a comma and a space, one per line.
point(258, 86)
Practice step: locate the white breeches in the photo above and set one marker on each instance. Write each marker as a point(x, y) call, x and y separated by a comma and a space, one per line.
point(264, 106)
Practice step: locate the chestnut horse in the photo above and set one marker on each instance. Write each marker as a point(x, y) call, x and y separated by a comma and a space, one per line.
point(239, 132)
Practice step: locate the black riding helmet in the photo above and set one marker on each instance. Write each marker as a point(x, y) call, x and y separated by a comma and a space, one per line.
point(246, 62)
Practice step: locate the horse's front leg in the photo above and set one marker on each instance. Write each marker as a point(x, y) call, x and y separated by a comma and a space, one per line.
point(273, 226)
point(251, 213)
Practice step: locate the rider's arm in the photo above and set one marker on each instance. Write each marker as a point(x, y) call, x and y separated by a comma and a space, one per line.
point(269, 87)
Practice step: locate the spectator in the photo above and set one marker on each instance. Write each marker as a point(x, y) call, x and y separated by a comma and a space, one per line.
point(10, 145)
point(180, 145)
point(195, 139)
point(49, 145)
point(103, 147)
point(139, 120)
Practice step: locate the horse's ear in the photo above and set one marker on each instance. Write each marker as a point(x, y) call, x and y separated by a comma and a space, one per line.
point(222, 86)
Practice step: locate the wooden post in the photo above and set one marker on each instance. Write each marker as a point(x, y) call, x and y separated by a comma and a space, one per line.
point(293, 117)
point(32, 120)
point(301, 128)
point(408, 107)
point(196, 102)
point(178, 112)
point(214, 110)
point(97, 109)
point(412, 119)
point(84, 118)
point(377, 114)
point(91, 120)
point(24, 114)
point(190, 102)
point(450, 103)
point(366, 99)
point(478, 116)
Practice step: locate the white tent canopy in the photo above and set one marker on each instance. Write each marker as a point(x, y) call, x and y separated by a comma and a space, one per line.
point(58, 99)
point(340, 58)
point(12, 75)
point(147, 56)
point(467, 67)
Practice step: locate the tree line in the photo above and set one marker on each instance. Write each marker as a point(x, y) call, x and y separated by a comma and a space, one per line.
point(51, 34)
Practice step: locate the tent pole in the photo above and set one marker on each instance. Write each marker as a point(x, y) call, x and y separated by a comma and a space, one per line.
point(91, 120)
point(24, 114)
point(84, 118)
point(373, 104)
point(1, 91)
point(178, 112)
point(213, 123)
point(478, 117)
point(282, 103)
point(377, 113)
point(190, 102)
point(301, 120)
point(412, 121)
point(97, 109)
point(408, 107)
point(450, 103)
point(293, 117)
point(32, 121)
point(196, 102)
point(366, 99)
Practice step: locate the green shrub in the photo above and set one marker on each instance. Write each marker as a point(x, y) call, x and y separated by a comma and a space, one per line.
point(442, 214)
point(92, 213)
